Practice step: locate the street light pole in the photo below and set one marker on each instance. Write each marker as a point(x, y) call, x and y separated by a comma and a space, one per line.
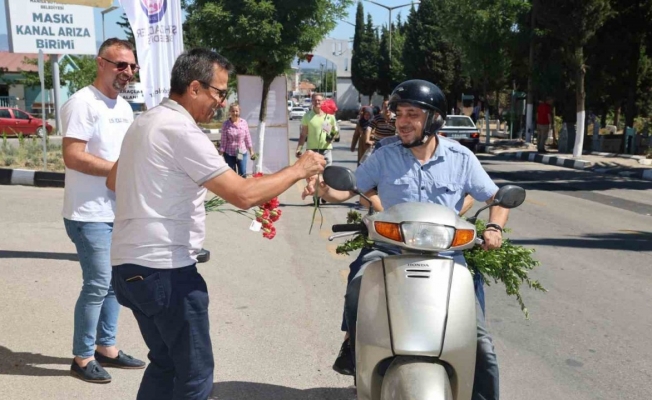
point(103, 12)
point(390, 9)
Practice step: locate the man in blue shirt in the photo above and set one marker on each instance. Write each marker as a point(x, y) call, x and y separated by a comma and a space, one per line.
point(423, 167)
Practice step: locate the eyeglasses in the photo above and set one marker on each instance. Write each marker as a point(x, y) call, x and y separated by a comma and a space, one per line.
point(220, 92)
point(122, 65)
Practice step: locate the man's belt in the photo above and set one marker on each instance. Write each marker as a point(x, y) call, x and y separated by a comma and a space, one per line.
point(320, 151)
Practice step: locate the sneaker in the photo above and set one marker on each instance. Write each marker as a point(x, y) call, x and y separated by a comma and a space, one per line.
point(121, 361)
point(92, 372)
point(344, 361)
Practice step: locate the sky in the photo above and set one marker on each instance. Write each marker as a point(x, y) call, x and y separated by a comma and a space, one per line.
point(342, 31)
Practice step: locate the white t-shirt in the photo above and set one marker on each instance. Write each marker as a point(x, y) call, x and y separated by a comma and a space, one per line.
point(160, 216)
point(102, 122)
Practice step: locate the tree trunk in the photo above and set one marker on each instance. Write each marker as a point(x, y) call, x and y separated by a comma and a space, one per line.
point(580, 97)
point(486, 112)
point(617, 117)
point(630, 108)
point(530, 85)
point(267, 82)
point(603, 117)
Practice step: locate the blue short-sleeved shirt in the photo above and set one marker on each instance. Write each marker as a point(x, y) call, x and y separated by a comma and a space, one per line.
point(451, 173)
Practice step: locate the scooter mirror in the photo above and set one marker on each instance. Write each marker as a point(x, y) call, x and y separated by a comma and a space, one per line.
point(340, 178)
point(510, 196)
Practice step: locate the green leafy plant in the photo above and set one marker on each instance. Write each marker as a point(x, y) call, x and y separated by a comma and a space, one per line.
point(510, 264)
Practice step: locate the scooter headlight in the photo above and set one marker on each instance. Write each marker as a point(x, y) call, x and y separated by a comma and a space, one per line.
point(427, 236)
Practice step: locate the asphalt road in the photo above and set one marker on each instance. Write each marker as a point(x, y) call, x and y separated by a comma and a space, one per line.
point(276, 305)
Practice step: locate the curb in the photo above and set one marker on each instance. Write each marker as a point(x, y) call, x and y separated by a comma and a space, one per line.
point(551, 160)
point(31, 178)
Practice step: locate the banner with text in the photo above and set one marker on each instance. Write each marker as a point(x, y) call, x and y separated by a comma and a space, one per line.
point(158, 32)
point(54, 28)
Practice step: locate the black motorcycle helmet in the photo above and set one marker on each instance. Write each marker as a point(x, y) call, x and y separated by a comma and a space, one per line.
point(425, 95)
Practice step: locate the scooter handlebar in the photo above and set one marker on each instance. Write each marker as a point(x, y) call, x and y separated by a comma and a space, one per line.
point(348, 227)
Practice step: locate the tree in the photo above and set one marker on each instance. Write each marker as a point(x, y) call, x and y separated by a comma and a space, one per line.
point(83, 76)
point(428, 52)
point(262, 37)
point(126, 27)
point(574, 22)
point(32, 79)
point(365, 74)
point(485, 32)
point(390, 69)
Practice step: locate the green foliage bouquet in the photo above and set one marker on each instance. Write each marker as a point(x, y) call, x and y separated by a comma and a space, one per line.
point(510, 264)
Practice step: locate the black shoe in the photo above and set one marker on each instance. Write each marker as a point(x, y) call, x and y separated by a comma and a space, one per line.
point(344, 361)
point(93, 372)
point(121, 361)
point(323, 201)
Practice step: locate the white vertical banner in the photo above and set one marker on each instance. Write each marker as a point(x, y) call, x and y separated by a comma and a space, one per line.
point(273, 145)
point(159, 41)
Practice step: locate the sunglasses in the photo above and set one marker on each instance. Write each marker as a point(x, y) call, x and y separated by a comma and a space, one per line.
point(122, 65)
point(220, 92)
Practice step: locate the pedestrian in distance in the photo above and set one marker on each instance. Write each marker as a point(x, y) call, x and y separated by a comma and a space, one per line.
point(94, 121)
point(235, 145)
point(167, 165)
point(318, 129)
point(544, 123)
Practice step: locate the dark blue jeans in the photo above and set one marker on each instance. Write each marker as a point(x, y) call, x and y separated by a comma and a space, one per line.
point(239, 166)
point(486, 381)
point(171, 307)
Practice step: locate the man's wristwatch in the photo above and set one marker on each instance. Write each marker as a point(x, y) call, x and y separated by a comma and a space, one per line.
point(494, 226)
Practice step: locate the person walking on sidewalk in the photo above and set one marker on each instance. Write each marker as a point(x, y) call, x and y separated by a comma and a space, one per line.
point(166, 166)
point(318, 129)
point(236, 141)
point(544, 122)
point(95, 120)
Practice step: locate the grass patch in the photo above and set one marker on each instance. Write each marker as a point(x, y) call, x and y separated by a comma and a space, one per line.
point(29, 154)
point(212, 125)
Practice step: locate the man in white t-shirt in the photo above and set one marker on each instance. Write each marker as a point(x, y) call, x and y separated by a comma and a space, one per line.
point(166, 166)
point(95, 120)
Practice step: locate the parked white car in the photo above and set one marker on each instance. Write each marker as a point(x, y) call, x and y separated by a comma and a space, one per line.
point(297, 113)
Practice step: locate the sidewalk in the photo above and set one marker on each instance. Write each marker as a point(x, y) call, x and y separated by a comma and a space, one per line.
point(637, 167)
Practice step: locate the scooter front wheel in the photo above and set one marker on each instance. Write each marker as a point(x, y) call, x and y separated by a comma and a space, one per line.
point(410, 378)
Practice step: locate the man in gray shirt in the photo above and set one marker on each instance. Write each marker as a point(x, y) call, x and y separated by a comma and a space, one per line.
point(166, 166)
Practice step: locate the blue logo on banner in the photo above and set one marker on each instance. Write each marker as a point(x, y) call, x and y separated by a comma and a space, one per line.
point(155, 9)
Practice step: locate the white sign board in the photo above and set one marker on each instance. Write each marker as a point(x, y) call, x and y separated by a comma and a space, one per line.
point(54, 28)
point(133, 93)
point(276, 153)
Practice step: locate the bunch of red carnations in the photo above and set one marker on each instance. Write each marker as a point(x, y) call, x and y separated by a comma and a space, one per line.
point(267, 214)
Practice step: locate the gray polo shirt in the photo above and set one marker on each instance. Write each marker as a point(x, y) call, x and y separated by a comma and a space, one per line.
point(164, 161)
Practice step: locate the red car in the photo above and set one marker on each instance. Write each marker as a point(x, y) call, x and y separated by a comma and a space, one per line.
point(14, 121)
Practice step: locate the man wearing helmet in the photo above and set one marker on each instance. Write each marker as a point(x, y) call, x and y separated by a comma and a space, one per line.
point(424, 167)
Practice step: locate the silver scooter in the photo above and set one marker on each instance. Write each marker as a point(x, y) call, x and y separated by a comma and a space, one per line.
point(416, 329)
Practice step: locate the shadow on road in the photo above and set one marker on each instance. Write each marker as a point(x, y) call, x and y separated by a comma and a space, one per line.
point(38, 254)
point(12, 363)
point(264, 391)
point(630, 240)
point(565, 180)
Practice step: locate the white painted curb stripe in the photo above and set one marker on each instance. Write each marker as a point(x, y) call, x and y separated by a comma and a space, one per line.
point(22, 177)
